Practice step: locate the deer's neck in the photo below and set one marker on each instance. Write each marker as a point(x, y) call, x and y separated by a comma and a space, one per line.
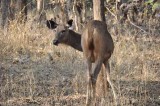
point(74, 41)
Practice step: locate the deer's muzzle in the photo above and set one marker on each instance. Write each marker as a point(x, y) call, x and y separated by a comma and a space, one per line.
point(55, 42)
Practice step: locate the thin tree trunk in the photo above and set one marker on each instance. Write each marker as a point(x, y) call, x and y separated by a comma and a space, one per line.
point(84, 11)
point(22, 10)
point(40, 13)
point(5, 12)
point(40, 5)
point(12, 10)
point(69, 5)
point(64, 13)
point(77, 10)
point(75, 15)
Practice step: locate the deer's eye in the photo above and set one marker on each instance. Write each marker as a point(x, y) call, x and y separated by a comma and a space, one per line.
point(62, 31)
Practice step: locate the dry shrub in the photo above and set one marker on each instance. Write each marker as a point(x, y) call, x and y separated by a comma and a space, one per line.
point(23, 38)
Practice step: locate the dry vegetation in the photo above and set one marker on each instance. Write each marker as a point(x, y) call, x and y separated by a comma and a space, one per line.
point(33, 72)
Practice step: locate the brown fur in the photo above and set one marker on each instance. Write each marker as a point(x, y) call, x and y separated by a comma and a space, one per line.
point(68, 37)
point(97, 46)
point(96, 41)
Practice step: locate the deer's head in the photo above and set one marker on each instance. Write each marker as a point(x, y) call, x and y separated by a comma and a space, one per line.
point(62, 31)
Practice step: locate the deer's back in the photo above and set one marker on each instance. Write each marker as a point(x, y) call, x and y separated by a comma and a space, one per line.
point(96, 40)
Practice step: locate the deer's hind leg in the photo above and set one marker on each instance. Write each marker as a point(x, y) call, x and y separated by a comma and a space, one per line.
point(89, 83)
point(107, 67)
point(96, 70)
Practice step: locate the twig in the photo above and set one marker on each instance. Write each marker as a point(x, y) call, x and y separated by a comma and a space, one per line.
point(111, 13)
point(128, 19)
point(137, 26)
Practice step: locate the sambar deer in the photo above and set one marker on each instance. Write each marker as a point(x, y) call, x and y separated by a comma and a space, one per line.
point(97, 45)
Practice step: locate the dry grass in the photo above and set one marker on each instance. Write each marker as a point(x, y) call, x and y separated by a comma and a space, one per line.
point(34, 72)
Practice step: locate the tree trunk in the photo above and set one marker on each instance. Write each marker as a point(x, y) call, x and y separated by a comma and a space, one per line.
point(84, 11)
point(69, 6)
point(40, 5)
point(64, 13)
point(101, 85)
point(77, 10)
point(5, 12)
point(22, 10)
point(40, 13)
point(98, 10)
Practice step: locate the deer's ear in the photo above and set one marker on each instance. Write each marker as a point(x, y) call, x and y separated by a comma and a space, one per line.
point(51, 24)
point(70, 22)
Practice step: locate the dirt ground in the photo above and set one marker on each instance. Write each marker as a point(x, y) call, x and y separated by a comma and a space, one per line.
point(58, 78)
